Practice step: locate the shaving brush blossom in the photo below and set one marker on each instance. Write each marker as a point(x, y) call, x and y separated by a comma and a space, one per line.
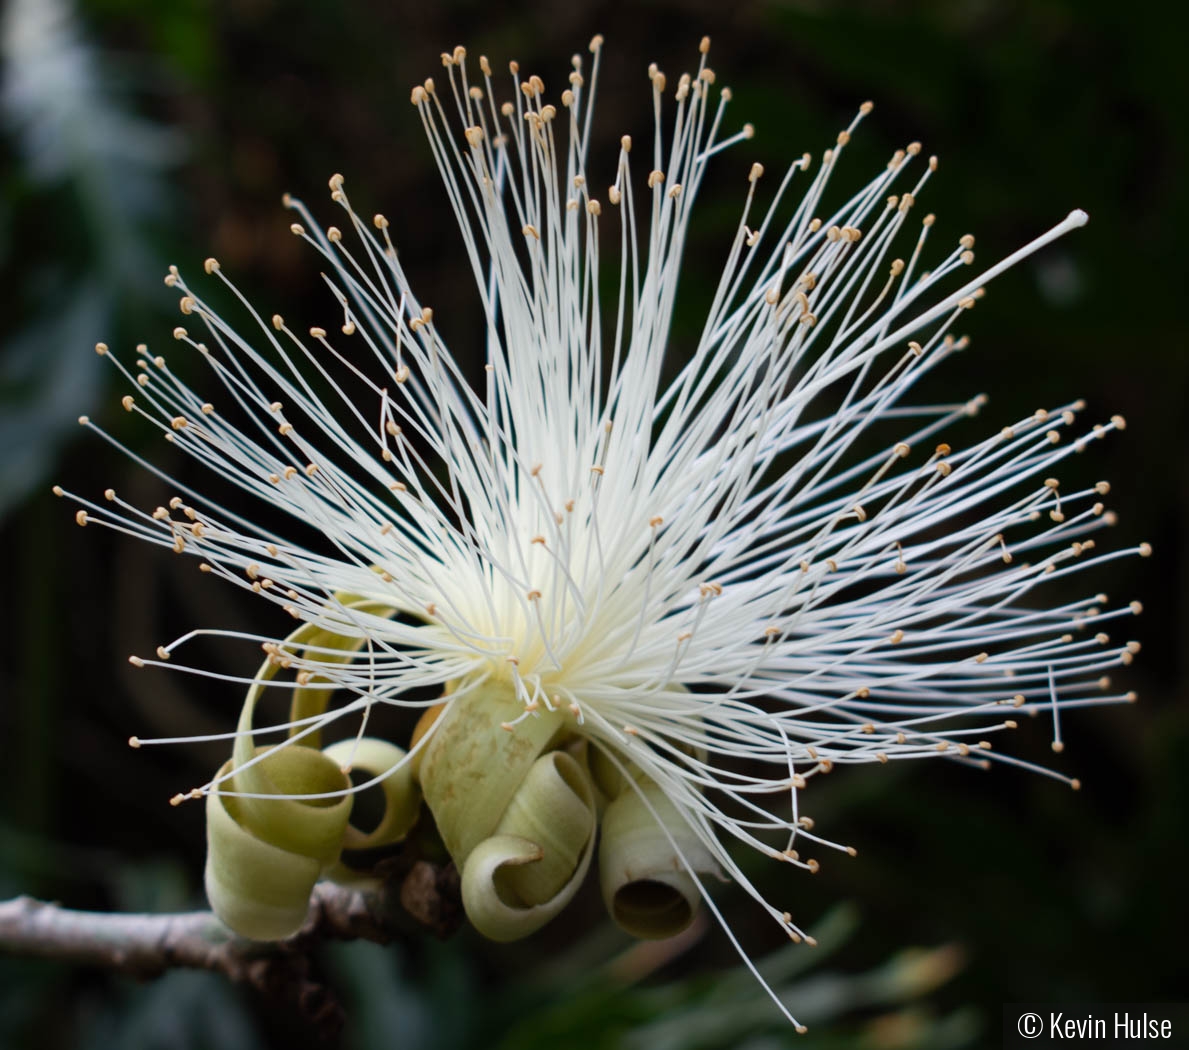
point(652, 589)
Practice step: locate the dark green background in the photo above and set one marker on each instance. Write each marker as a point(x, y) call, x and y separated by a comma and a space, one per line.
point(1034, 108)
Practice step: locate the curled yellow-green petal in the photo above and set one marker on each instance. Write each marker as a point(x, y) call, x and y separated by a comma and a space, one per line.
point(311, 827)
point(308, 700)
point(472, 767)
point(266, 844)
point(646, 883)
point(402, 795)
point(555, 810)
point(610, 778)
point(259, 890)
point(524, 875)
point(311, 701)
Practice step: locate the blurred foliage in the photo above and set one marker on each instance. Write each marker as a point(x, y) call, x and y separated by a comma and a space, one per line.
point(597, 993)
point(99, 171)
point(137, 134)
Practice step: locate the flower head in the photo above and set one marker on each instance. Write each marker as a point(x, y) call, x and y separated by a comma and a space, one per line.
point(690, 578)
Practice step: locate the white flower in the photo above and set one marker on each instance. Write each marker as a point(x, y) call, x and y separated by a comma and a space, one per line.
point(719, 560)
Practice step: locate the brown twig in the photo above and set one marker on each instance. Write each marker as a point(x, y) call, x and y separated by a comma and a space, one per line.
point(146, 946)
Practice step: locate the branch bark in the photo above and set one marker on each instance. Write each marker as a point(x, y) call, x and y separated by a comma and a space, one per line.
point(146, 945)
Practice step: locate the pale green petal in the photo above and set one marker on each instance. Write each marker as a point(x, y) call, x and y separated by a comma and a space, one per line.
point(402, 794)
point(313, 828)
point(259, 890)
point(496, 917)
point(472, 767)
point(646, 885)
point(555, 810)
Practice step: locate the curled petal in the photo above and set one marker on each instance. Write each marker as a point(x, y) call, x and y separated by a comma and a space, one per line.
point(402, 795)
point(472, 767)
point(311, 827)
point(555, 810)
point(258, 889)
point(520, 878)
point(311, 701)
point(269, 834)
point(644, 872)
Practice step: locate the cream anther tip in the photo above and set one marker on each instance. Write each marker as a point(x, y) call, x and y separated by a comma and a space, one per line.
point(1077, 217)
point(134, 741)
